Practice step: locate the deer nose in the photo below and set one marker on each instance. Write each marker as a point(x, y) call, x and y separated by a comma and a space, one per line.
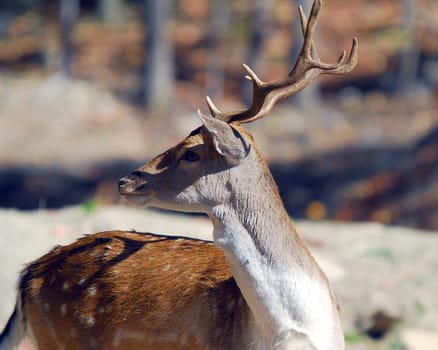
point(122, 185)
point(131, 182)
point(126, 185)
point(123, 182)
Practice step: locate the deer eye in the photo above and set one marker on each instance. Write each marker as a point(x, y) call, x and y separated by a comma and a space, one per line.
point(190, 156)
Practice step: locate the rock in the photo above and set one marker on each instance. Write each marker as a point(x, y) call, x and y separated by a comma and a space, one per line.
point(378, 324)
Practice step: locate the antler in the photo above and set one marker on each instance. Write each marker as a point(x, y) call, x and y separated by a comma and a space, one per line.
point(306, 69)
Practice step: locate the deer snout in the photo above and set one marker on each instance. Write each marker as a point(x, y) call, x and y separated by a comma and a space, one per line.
point(129, 184)
point(125, 185)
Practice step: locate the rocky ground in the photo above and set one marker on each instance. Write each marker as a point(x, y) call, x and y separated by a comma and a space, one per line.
point(383, 276)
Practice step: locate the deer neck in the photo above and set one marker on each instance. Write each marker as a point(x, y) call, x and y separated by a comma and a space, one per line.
point(281, 282)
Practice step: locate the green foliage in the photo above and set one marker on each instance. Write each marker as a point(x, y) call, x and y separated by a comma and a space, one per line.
point(397, 344)
point(91, 205)
point(383, 252)
point(353, 337)
point(420, 308)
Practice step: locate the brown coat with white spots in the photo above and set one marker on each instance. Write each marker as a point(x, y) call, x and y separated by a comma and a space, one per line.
point(129, 290)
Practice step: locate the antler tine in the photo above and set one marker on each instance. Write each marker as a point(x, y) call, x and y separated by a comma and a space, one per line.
point(349, 65)
point(303, 20)
point(306, 69)
point(307, 30)
point(215, 112)
point(308, 52)
point(310, 25)
point(252, 76)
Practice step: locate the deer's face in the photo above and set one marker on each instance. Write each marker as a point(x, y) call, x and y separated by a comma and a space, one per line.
point(193, 175)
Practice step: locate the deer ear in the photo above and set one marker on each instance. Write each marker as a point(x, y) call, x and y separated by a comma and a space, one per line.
point(227, 141)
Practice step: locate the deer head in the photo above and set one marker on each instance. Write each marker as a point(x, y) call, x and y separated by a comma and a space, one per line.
point(198, 172)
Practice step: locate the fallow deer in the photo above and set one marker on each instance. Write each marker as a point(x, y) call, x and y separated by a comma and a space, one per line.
point(256, 286)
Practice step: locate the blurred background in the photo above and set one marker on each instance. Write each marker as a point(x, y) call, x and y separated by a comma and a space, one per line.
point(91, 89)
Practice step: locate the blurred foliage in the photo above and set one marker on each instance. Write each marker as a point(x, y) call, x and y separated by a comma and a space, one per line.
point(112, 54)
point(91, 206)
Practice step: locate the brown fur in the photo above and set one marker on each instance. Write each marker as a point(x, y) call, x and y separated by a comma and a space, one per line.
point(128, 290)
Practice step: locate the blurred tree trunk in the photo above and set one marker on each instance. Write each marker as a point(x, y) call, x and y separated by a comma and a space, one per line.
point(157, 82)
point(215, 72)
point(308, 100)
point(68, 15)
point(410, 56)
point(111, 11)
point(260, 29)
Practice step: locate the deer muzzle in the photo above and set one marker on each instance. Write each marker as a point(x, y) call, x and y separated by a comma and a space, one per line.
point(131, 183)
